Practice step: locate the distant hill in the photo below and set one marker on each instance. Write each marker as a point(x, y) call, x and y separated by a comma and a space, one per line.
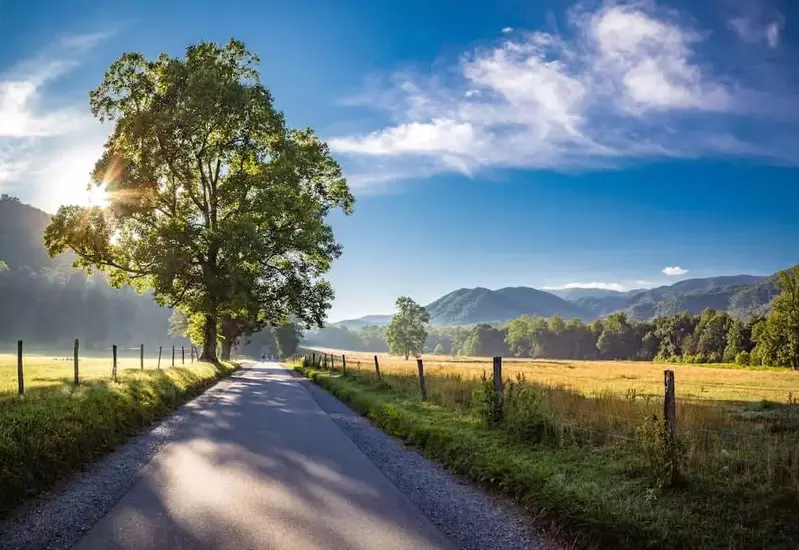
point(47, 304)
point(740, 295)
point(578, 293)
point(21, 237)
point(365, 321)
point(480, 305)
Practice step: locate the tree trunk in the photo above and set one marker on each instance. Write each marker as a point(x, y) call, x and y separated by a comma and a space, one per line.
point(209, 339)
point(227, 345)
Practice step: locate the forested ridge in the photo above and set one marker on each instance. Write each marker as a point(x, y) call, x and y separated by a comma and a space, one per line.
point(47, 304)
point(713, 336)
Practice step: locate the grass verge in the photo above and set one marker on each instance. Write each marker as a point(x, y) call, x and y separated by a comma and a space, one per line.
point(51, 432)
point(602, 496)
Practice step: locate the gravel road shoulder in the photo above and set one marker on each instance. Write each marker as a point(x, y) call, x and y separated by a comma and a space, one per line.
point(59, 518)
point(471, 518)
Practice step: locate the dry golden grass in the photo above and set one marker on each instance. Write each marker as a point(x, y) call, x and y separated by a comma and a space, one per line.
point(743, 422)
point(50, 371)
point(594, 378)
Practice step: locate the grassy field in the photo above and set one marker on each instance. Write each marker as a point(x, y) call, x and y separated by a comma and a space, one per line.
point(586, 451)
point(50, 371)
point(729, 383)
point(56, 428)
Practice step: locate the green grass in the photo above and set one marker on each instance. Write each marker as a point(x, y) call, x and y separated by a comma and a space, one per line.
point(55, 428)
point(599, 488)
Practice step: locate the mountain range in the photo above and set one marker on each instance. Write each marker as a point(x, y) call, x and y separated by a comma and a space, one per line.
point(740, 295)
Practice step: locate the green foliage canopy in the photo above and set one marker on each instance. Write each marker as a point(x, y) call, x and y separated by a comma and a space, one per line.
point(215, 204)
point(407, 332)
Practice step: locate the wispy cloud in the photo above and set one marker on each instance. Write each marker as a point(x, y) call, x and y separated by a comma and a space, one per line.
point(758, 23)
point(674, 271)
point(626, 83)
point(47, 148)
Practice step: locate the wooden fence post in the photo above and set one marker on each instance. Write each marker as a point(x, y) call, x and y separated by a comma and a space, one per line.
point(420, 366)
point(377, 368)
point(141, 356)
point(173, 356)
point(332, 362)
point(313, 360)
point(344, 364)
point(114, 367)
point(75, 361)
point(670, 402)
point(160, 349)
point(20, 375)
point(499, 412)
point(182, 355)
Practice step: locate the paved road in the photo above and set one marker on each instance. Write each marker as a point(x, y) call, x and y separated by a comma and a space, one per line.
point(263, 467)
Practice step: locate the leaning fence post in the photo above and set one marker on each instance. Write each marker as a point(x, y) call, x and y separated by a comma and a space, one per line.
point(422, 387)
point(344, 364)
point(182, 355)
point(75, 361)
point(20, 375)
point(173, 356)
point(141, 356)
point(160, 349)
point(377, 368)
point(670, 402)
point(114, 367)
point(498, 412)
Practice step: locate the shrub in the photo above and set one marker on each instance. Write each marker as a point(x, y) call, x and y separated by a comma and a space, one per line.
point(742, 358)
point(663, 450)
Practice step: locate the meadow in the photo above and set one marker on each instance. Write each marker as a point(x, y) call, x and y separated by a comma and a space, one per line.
point(603, 461)
point(43, 371)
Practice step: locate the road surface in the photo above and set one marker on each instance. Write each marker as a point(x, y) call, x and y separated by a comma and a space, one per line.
point(263, 467)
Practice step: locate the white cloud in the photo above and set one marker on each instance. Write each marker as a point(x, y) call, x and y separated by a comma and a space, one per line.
point(674, 271)
point(644, 283)
point(627, 83)
point(507, 30)
point(593, 284)
point(47, 148)
point(759, 27)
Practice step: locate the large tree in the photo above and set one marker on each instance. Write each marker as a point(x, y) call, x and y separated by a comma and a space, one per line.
point(215, 204)
point(407, 332)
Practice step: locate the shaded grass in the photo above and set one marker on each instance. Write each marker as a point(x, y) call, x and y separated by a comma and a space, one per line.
point(596, 485)
point(57, 429)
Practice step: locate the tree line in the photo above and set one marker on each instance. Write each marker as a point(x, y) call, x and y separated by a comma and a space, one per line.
point(710, 337)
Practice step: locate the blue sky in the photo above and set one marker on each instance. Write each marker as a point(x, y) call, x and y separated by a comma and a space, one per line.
point(488, 144)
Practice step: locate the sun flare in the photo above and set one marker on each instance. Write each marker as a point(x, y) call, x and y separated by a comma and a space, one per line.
point(98, 195)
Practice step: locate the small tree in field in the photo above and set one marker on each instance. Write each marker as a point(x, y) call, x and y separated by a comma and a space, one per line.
point(407, 332)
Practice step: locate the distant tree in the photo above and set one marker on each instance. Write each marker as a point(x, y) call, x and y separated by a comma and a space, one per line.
point(737, 341)
point(486, 341)
point(780, 335)
point(288, 337)
point(438, 350)
point(3, 266)
point(712, 334)
point(616, 340)
point(407, 332)
point(8, 198)
point(520, 336)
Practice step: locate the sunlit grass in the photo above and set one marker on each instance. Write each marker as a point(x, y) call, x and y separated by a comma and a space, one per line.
point(53, 371)
point(714, 383)
point(56, 427)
